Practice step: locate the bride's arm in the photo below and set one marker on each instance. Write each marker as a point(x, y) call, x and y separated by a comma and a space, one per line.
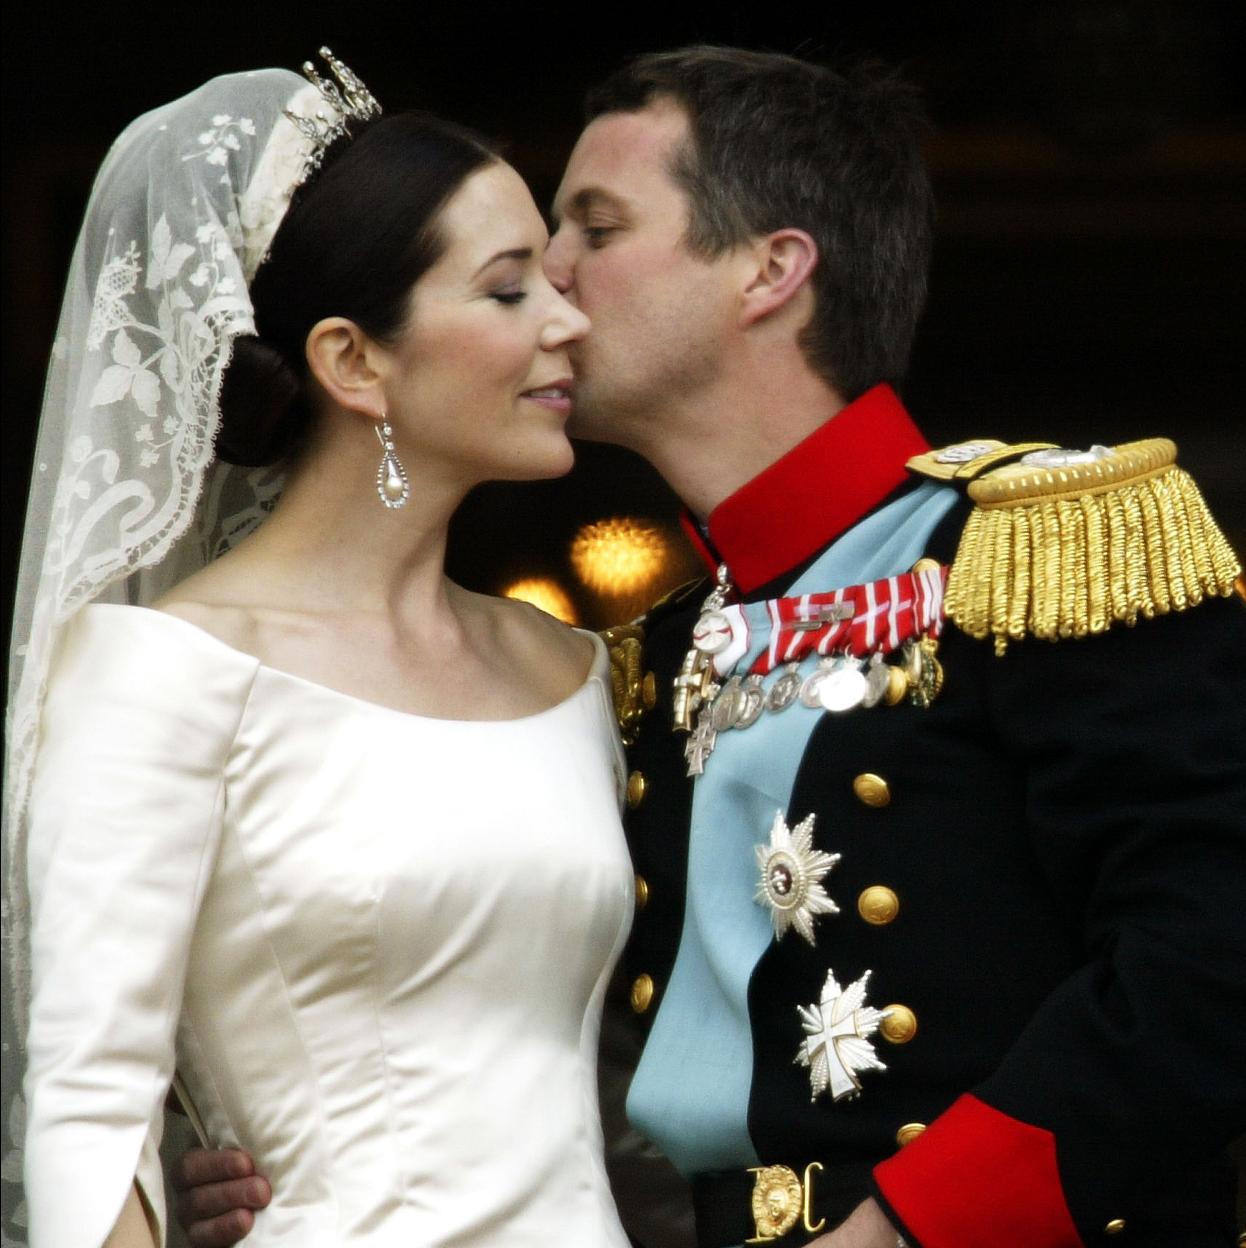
point(133, 1229)
point(125, 819)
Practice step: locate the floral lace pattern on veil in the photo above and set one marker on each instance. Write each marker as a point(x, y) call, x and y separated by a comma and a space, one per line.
point(125, 499)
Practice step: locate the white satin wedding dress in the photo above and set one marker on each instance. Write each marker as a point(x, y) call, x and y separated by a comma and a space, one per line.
point(374, 945)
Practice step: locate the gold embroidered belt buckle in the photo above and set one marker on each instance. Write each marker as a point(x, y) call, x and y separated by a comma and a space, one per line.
point(780, 1200)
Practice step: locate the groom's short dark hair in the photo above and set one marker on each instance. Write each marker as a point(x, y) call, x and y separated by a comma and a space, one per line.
point(780, 142)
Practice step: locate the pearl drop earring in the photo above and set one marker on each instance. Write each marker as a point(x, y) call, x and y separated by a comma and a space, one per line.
point(392, 486)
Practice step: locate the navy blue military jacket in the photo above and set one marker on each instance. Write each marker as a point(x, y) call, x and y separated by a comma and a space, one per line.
point(1043, 873)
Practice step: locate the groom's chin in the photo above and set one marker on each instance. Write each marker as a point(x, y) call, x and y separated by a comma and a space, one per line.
point(585, 423)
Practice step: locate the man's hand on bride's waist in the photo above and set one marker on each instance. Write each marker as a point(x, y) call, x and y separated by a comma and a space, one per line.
point(866, 1227)
point(218, 1193)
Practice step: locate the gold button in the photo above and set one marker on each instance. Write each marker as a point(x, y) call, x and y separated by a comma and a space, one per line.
point(642, 993)
point(909, 1132)
point(926, 564)
point(1115, 1227)
point(649, 691)
point(878, 905)
point(642, 891)
point(636, 786)
point(900, 1025)
point(871, 789)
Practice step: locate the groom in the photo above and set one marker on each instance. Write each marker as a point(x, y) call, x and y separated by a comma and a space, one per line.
point(1014, 989)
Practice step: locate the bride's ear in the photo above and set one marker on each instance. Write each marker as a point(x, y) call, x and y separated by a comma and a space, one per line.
point(346, 364)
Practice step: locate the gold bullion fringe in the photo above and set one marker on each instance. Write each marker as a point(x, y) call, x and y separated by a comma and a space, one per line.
point(1069, 566)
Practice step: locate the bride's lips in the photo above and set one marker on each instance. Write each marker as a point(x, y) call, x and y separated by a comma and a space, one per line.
point(556, 395)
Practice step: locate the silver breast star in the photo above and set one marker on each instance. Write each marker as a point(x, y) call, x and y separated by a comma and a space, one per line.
point(791, 875)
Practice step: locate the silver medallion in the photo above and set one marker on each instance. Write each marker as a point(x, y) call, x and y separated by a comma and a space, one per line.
point(876, 680)
point(754, 702)
point(728, 706)
point(785, 690)
point(912, 662)
point(810, 691)
point(843, 687)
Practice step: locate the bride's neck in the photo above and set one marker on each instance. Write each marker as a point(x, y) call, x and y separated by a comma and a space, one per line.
point(332, 536)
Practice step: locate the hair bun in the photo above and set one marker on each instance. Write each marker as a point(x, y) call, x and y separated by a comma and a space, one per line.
point(261, 401)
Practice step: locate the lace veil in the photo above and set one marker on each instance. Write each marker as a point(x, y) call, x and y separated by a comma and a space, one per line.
point(125, 498)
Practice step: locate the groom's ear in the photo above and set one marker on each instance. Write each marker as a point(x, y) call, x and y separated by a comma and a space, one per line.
point(346, 363)
point(777, 279)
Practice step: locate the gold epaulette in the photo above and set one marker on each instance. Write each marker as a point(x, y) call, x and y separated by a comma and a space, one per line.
point(1072, 542)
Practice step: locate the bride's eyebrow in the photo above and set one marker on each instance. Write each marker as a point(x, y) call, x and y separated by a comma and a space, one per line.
point(513, 253)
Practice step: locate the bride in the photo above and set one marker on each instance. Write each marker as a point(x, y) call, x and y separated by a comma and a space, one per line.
point(303, 821)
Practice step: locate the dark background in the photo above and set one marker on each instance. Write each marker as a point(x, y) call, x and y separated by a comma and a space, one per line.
point(1089, 159)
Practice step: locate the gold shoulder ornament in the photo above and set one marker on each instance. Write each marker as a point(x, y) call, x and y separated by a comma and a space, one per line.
point(624, 643)
point(1067, 543)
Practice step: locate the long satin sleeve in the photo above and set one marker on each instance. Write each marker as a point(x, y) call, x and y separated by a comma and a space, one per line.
point(126, 813)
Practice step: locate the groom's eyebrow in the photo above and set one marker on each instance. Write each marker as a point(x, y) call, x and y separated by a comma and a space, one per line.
point(586, 199)
point(513, 253)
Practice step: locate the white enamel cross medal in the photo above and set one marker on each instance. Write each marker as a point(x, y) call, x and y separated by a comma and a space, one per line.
point(836, 1048)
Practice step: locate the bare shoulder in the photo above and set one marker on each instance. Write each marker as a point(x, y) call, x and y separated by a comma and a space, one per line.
point(539, 642)
point(209, 602)
point(235, 626)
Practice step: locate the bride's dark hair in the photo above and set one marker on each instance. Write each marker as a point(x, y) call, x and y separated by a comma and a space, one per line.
point(356, 239)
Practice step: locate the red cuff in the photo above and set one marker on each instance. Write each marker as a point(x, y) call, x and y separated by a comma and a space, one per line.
point(976, 1178)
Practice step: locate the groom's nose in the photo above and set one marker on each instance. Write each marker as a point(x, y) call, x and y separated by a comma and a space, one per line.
point(557, 263)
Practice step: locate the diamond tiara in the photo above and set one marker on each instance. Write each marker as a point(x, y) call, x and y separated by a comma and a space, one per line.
point(347, 98)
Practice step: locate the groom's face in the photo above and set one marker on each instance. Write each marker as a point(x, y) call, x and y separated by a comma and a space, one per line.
point(619, 253)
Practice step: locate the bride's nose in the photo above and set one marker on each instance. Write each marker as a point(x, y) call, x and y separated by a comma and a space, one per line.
point(566, 323)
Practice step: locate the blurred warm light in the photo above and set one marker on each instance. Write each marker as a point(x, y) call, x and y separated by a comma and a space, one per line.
point(620, 557)
point(546, 593)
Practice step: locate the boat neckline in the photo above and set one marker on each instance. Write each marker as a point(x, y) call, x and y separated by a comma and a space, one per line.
point(595, 676)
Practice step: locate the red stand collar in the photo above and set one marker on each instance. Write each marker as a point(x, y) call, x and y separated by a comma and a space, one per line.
point(815, 492)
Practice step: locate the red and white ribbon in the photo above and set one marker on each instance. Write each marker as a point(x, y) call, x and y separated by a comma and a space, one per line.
point(858, 620)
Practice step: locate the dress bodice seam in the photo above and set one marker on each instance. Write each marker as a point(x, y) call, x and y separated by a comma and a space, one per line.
point(231, 830)
point(294, 1013)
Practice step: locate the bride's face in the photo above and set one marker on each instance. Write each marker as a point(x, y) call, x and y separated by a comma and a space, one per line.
point(481, 382)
